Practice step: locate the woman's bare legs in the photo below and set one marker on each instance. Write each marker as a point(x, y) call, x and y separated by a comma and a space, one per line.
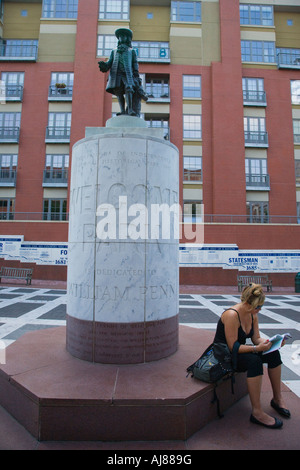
point(275, 379)
point(254, 389)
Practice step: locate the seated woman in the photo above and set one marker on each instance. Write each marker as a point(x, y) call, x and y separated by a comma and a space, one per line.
point(236, 325)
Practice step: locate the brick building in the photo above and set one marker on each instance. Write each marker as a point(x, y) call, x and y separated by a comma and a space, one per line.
point(223, 79)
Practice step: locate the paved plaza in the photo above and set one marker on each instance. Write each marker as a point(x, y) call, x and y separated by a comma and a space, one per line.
point(24, 309)
point(43, 305)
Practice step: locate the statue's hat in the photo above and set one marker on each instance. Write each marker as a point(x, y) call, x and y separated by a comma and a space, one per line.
point(123, 31)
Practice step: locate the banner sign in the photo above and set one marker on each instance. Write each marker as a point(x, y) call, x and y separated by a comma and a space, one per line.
point(230, 257)
point(47, 253)
point(227, 256)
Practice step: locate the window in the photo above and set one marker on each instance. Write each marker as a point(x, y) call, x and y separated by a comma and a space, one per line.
point(7, 208)
point(298, 212)
point(258, 212)
point(186, 11)
point(10, 119)
point(295, 91)
point(258, 51)
point(59, 125)
point(253, 91)
point(62, 77)
point(156, 87)
point(61, 86)
point(10, 125)
point(55, 209)
point(255, 131)
point(297, 171)
point(191, 126)
point(114, 9)
point(56, 170)
point(256, 15)
point(152, 51)
point(158, 123)
point(191, 86)
point(60, 8)
point(8, 168)
point(256, 172)
point(13, 78)
point(13, 83)
point(192, 169)
point(296, 128)
point(106, 43)
point(192, 212)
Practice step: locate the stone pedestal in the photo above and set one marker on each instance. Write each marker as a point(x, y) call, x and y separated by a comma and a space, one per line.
point(123, 245)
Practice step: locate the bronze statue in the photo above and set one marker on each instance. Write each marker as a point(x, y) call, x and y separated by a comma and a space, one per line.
point(124, 78)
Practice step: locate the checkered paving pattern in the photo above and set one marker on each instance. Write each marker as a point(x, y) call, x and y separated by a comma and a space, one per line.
point(27, 309)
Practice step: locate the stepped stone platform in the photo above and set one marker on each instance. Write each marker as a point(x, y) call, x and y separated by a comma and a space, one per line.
point(56, 396)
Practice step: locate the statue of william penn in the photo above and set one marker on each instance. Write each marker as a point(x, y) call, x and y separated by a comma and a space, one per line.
point(124, 76)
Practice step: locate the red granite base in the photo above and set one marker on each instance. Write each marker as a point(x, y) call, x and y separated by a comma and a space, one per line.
point(122, 343)
point(56, 396)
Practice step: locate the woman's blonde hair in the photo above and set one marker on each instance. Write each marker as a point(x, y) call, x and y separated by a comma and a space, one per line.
point(253, 295)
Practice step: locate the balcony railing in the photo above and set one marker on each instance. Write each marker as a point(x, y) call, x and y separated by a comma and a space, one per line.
point(152, 52)
point(34, 216)
point(8, 177)
point(206, 218)
point(13, 93)
point(192, 175)
point(296, 138)
point(288, 58)
point(58, 134)
point(254, 98)
point(55, 177)
point(9, 135)
point(248, 219)
point(18, 52)
point(60, 94)
point(257, 181)
point(256, 139)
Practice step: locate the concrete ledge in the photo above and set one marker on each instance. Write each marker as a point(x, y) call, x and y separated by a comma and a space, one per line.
point(56, 396)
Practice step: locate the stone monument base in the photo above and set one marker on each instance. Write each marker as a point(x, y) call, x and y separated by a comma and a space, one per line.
point(56, 396)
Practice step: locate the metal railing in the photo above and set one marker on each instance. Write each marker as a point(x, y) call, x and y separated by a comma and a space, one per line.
point(249, 219)
point(55, 177)
point(204, 218)
point(60, 94)
point(288, 59)
point(261, 181)
point(18, 52)
point(34, 216)
point(8, 177)
point(252, 97)
point(9, 134)
point(13, 93)
point(296, 138)
point(256, 139)
point(58, 134)
point(192, 175)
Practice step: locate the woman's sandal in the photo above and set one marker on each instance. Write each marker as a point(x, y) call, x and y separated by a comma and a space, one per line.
point(278, 423)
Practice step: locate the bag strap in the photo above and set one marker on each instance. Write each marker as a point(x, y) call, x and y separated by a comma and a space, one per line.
point(216, 399)
point(234, 354)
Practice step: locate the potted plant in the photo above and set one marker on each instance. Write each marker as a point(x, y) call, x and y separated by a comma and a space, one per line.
point(61, 88)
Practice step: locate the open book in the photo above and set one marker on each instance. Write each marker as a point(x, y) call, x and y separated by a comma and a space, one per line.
point(277, 341)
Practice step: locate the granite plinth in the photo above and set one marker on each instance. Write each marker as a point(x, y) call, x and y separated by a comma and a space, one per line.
point(123, 274)
point(57, 396)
